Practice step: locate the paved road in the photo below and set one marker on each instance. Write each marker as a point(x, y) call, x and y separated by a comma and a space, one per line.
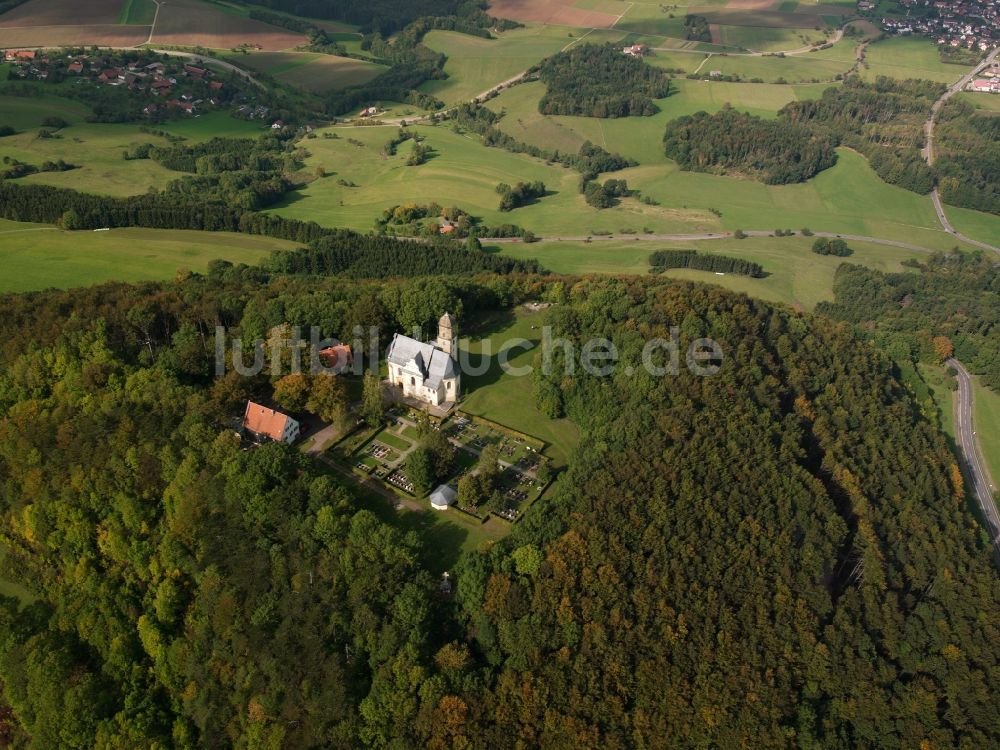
point(928, 149)
point(701, 237)
point(185, 55)
point(965, 435)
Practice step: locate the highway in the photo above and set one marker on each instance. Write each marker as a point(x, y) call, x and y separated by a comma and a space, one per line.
point(965, 436)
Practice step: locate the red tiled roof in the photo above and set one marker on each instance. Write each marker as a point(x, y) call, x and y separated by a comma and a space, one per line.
point(263, 421)
point(336, 356)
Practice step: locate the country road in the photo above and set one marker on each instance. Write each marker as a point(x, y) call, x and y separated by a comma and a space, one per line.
point(928, 149)
point(194, 56)
point(965, 436)
point(837, 36)
point(699, 237)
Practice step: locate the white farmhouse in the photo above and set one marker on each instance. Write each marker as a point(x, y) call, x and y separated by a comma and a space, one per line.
point(267, 424)
point(427, 372)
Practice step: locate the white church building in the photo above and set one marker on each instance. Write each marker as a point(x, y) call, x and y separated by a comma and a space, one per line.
point(427, 371)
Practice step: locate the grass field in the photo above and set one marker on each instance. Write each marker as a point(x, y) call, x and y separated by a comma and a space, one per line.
point(310, 70)
point(849, 197)
point(139, 12)
point(637, 137)
point(796, 275)
point(908, 57)
point(36, 257)
point(986, 420)
point(505, 399)
point(475, 65)
point(461, 172)
point(822, 65)
point(464, 173)
point(984, 103)
point(767, 38)
point(12, 588)
point(976, 224)
point(937, 385)
point(97, 147)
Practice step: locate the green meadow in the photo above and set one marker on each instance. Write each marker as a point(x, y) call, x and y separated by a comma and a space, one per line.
point(637, 137)
point(503, 398)
point(937, 385)
point(818, 66)
point(97, 148)
point(767, 38)
point(984, 103)
point(11, 587)
point(849, 197)
point(38, 257)
point(905, 57)
point(795, 275)
point(139, 12)
point(975, 224)
point(986, 421)
point(461, 172)
point(311, 71)
point(475, 65)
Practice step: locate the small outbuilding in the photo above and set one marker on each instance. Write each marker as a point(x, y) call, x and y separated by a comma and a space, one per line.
point(443, 497)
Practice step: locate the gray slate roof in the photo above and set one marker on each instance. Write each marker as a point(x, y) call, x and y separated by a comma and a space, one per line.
point(443, 495)
point(434, 364)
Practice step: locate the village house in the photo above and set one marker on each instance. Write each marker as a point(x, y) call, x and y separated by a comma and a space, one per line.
point(987, 85)
point(18, 54)
point(369, 112)
point(338, 357)
point(427, 372)
point(635, 50)
point(263, 424)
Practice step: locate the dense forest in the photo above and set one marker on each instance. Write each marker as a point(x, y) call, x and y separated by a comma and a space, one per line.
point(883, 120)
point(775, 556)
point(696, 28)
point(221, 203)
point(382, 16)
point(967, 147)
point(361, 256)
point(948, 304)
point(776, 152)
point(599, 81)
point(661, 260)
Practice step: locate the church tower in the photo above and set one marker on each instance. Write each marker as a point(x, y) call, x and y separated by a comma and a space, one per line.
point(447, 340)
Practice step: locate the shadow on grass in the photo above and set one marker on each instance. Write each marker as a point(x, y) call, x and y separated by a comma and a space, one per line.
point(493, 327)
